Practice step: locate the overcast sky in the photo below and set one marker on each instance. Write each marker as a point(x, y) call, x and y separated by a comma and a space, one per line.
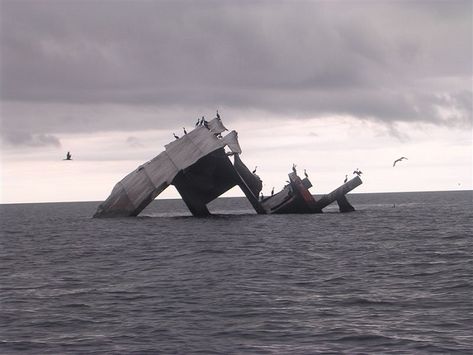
point(331, 85)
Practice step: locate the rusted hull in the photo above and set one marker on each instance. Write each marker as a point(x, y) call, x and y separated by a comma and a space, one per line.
point(296, 197)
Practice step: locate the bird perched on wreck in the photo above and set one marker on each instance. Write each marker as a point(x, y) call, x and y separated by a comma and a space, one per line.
point(398, 160)
point(68, 156)
point(254, 170)
point(357, 172)
point(305, 174)
point(218, 116)
point(203, 122)
point(175, 136)
point(294, 168)
point(184, 129)
point(346, 179)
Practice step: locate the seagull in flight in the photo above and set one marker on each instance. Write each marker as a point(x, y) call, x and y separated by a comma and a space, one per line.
point(398, 160)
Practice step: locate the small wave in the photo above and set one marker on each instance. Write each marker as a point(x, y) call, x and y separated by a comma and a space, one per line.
point(77, 305)
point(335, 279)
point(165, 215)
point(23, 345)
point(459, 285)
point(357, 301)
point(211, 251)
point(365, 338)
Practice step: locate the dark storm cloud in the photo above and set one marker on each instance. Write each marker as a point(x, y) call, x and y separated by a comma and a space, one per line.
point(385, 61)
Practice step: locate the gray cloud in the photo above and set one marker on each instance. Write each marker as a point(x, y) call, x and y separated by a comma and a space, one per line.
point(21, 138)
point(389, 61)
point(134, 142)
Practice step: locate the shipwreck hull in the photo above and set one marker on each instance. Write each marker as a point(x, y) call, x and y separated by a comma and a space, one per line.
point(249, 183)
point(296, 197)
point(199, 167)
point(186, 161)
point(205, 180)
point(339, 195)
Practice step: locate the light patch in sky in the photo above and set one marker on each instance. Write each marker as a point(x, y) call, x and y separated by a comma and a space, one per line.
point(327, 148)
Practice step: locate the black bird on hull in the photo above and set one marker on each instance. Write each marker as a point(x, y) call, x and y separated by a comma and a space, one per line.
point(68, 156)
point(357, 172)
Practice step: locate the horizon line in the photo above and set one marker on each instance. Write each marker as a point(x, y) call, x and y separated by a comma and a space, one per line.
point(243, 196)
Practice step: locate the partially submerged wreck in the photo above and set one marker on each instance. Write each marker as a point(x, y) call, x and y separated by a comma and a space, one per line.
point(199, 166)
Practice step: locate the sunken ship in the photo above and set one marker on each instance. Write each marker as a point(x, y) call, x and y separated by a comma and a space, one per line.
point(199, 165)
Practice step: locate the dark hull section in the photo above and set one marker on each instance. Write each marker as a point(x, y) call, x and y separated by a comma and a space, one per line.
point(296, 197)
point(212, 176)
point(250, 184)
point(204, 181)
point(339, 196)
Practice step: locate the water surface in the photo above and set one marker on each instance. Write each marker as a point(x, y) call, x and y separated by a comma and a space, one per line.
point(383, 279)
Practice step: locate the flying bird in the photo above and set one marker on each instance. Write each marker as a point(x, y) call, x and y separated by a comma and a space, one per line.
point(398, 160)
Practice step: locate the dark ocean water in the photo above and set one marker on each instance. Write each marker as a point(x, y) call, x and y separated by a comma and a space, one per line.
point(379, 280)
